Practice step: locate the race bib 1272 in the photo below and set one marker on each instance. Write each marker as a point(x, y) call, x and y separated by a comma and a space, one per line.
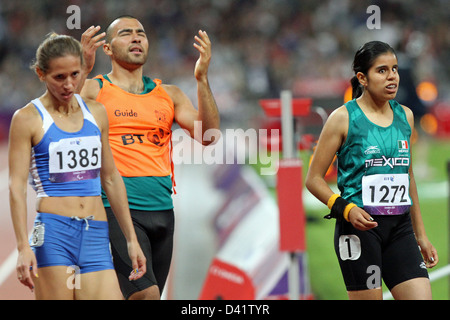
point(386, 194)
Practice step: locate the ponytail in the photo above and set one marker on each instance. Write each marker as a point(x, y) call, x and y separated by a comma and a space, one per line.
point(357, 88)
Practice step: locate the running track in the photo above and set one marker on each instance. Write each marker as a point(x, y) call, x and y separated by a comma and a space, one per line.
point(10, 287)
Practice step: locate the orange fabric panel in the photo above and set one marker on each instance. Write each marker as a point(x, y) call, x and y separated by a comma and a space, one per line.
point(139, 129)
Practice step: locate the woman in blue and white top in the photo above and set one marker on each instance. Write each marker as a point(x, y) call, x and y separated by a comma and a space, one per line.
point(61, 142)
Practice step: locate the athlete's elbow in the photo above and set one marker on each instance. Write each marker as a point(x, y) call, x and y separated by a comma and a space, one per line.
point(107, 181)
point(310, 183)
point(211, 136)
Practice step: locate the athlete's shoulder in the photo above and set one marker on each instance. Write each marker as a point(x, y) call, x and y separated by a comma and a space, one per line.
point(337, 122)
point(407, 110)
point(171, 88)
point(91, 88)
point(93, 105)
point(27, 113)
point(409, 115)
point(175, 93)
point(26, 119)
point(98, 110)
point(339, 114)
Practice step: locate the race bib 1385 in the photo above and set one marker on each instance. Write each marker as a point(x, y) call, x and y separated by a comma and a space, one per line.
point(74, 159)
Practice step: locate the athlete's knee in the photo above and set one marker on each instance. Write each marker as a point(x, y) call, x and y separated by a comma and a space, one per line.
point(413, 289)
point(151, 293)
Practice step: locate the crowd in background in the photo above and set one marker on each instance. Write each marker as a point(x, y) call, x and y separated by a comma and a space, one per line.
point(260, 47)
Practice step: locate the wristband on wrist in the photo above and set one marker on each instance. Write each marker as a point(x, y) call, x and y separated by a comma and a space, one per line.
point(332, 199)
point(339, 207)
point(347, 210)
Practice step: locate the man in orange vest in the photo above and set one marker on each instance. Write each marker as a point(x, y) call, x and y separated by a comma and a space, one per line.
point(141, 112)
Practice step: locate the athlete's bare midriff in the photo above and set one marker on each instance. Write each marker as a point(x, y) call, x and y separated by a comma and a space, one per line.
point(81, 207)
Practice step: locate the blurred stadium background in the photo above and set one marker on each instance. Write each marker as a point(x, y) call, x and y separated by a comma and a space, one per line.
point(228, 212)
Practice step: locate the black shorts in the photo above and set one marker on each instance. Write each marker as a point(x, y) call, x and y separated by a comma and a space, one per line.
point(388, 251)
point(154, 230)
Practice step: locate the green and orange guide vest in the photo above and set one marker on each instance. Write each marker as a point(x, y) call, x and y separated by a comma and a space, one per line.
point(140, 138)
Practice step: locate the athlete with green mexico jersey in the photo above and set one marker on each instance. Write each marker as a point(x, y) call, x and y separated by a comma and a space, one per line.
point(378, 220)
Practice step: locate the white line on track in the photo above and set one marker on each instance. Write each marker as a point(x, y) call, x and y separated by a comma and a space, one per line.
point(4, 179)
point(8, 266)
point(434, 275)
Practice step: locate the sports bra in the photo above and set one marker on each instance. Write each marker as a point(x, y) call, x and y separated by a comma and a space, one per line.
point(66, 163)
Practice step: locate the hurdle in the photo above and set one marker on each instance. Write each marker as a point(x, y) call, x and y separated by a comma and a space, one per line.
point(292, 220)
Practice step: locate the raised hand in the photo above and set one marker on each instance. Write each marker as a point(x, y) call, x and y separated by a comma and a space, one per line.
point(90, 42)
point(203, 45)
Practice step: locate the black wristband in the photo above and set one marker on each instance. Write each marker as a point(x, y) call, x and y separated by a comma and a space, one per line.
point(337, 210)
